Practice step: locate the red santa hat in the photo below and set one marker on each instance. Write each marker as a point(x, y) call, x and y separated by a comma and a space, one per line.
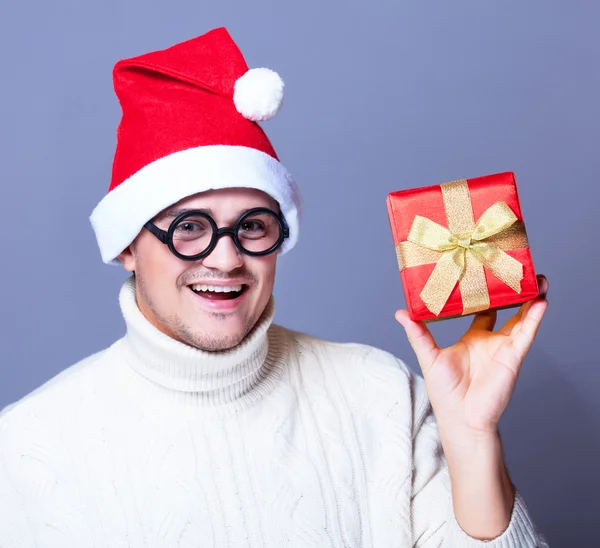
point(189, 124)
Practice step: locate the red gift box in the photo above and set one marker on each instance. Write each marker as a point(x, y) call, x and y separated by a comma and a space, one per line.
point(462, 247)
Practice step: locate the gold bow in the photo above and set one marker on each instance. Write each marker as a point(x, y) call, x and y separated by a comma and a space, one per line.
point(462, 250)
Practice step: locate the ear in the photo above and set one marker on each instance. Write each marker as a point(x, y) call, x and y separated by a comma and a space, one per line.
point(127, 259)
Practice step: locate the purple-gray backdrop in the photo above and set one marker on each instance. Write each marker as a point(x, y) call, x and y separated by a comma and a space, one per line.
point(380, 96)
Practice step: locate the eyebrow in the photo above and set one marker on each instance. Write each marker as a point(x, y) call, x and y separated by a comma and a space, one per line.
point(171, 213)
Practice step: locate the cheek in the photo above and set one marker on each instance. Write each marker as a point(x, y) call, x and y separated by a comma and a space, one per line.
point(265, 271)
point(157, 268)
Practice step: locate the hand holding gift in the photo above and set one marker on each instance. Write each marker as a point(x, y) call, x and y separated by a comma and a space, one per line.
point(470, 383)
point(469, 256)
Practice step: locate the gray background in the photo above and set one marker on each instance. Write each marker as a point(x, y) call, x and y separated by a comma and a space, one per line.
point(380, 96)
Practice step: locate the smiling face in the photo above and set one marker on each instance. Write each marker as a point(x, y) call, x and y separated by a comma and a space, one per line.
point(167, 287)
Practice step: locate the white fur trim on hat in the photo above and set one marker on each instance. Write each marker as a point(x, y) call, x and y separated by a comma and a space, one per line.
point(258, 94)
point(122, 213)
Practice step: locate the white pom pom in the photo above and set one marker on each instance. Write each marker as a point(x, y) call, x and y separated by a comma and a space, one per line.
point(258, 94)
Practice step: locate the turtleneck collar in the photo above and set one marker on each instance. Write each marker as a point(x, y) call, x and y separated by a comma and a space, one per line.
point(220, 378)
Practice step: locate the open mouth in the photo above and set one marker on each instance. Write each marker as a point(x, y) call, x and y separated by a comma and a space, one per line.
point(219, 292)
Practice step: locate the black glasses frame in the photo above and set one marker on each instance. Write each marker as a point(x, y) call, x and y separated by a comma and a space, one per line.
point(166, 236)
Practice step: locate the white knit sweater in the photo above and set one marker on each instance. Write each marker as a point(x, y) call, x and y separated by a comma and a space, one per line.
point(286, 440)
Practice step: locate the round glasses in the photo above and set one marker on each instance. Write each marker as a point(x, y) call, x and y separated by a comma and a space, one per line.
point(194, 234)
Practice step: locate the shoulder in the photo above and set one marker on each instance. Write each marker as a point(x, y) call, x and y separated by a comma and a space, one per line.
point(361, 370)
point(352, 357)
point(51, 399)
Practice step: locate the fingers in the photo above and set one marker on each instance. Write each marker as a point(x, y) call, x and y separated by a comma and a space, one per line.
point(543, 284)
point(525, 329)
point(485, 320)
point(420, 338)
point(508, 327)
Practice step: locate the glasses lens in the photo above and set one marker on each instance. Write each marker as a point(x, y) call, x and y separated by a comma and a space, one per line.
point(259, 232)
point(192, 235)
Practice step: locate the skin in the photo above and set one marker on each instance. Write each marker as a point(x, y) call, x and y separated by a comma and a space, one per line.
point(469, 384)
point(162, 279)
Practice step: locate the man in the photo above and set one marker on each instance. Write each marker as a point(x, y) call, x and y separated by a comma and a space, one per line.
point(207, 424)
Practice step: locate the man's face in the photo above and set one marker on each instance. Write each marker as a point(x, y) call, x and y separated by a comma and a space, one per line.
point(164, 282)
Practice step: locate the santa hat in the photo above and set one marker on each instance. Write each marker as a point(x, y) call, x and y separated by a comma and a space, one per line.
point(189, 124)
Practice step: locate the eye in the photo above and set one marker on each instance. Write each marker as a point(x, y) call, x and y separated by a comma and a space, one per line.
point(252, 229)
point(188, 227)
point(252, 226)
point(192, 228)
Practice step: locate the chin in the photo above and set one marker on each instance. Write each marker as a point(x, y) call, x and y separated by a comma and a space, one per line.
point(219, 343)
point(214, 340)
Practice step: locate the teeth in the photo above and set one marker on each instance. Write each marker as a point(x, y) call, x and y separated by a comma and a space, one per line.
point(217, 288)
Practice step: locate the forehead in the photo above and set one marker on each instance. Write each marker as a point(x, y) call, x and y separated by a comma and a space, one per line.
point(226, 202)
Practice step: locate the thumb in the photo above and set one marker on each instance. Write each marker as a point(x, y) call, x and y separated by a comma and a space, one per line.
point(420, 338)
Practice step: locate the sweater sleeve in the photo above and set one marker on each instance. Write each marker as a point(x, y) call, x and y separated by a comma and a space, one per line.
point(433, 522)
point(14, 528)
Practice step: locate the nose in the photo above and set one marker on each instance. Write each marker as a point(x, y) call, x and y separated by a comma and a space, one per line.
point(225, 256)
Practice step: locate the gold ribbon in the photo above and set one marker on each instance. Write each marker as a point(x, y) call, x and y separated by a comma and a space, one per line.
point(462, 250)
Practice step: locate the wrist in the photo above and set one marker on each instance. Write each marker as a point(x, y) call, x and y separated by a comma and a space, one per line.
point(482, 492)
point(462, 443)
point(473, 456)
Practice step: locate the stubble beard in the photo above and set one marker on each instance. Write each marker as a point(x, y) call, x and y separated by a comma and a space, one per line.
point(208, 341)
